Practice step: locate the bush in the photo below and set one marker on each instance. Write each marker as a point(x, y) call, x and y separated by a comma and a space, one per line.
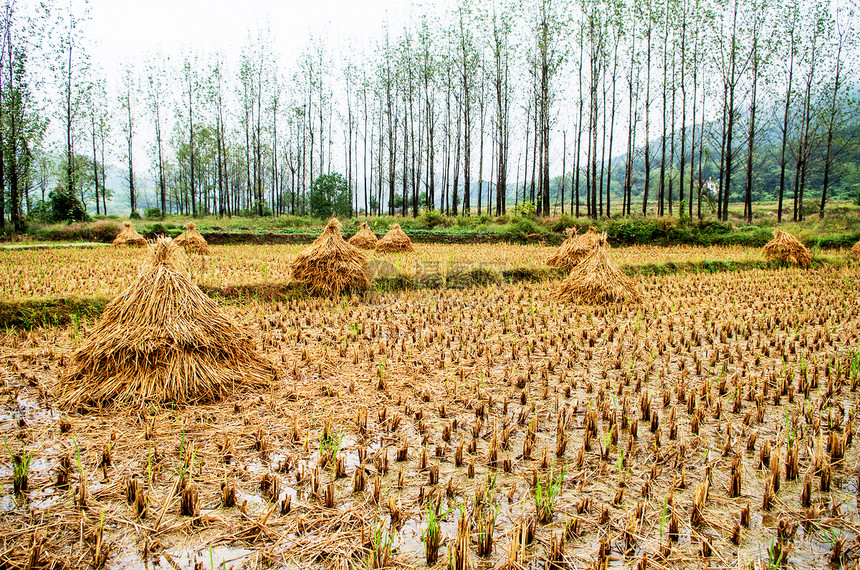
point(162, 229)
point(41, 212)
point(525, 227)
point(65, 206)
point(526, 209)
point(153, 214)
point(329, 196)
point(135, 215)
point(430, 219)
point(561, 223)
point(102, 231)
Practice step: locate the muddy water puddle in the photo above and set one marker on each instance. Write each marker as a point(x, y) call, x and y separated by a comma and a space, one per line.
point(715, 370)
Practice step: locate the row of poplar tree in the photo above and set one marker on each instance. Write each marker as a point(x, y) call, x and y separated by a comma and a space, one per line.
point(631, 105)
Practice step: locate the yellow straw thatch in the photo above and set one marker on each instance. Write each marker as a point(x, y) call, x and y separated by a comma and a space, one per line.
point(597, 279)
point(163, 340)
point(364, 238)
point(191, 240)
point(573, 249)
point(330, 265)
point(128, 236)
point(395, 240)
point(855, 251)
point(787, 248)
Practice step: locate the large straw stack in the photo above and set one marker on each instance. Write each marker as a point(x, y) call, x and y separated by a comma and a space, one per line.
point(129, 237)
point(855, 251)
point(364, 238)
point(598, 280)
point(330, 265)
point(191, 240)
point(163, 341)
point(574, 249)
point(787, 248)
point(395, 240)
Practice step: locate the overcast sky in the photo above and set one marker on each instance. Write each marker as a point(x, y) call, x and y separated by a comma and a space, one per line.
point(129, 31)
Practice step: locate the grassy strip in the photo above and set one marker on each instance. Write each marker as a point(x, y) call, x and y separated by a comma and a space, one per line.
point(76, 245)
point(37, 313)
point(628, 232)
point(839, 228)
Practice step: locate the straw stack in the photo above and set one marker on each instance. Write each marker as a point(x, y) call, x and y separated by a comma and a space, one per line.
point(163, 341)
point(395, 240)
point(855, 251)
point(598, 280)
point(191, 240)
point(364, 238)
point(573, 250)
point(330, 265)
point(129, 237)
point(787, 248)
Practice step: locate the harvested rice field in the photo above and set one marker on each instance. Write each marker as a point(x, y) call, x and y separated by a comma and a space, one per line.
point(709, 426)
point(106, 271)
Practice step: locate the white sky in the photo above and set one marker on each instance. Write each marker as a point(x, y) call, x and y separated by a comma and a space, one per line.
point(129, 31)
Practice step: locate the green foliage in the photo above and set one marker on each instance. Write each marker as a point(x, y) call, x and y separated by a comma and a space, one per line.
point(561, 223)
point(135, 215)
point(66, 206)
point(162, 229)
point(523, 227)
point(430, 219)
point(41, 212)
point(545, 495)
point(329, 196)
point(101, 231)
point(153, 214)
point(20, 468)
point(526, 209)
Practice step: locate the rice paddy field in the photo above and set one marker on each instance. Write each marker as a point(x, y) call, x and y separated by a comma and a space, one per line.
point(107, 271)
point(710, 426)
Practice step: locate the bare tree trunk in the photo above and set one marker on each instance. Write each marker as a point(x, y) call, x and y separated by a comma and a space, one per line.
point(647, 122)
point(95, 163)
point(831, 123)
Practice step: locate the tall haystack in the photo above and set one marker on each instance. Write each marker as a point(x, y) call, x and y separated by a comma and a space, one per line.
point(855, 251)
point(574, 249)
point(129, 237)
point(364, 238)
point(787, 248)
point(191, 240)
point(164, 341)
point(395, 240)
point(598, 280)
point(330, 265)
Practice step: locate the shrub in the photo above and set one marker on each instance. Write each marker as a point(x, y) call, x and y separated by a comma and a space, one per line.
point(153, 214)
point(135, 215)
point(561, 223)
point(526, 209)
point(101, 231)
point(65, 206)
point(430, 219)
point(525, 227)
point(329, 196)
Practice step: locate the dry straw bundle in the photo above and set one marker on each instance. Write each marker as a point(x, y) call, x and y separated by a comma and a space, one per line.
point(574, 249)
point(129, 237)
point(163, 341)
point(191, 240)
point(855, 251)
point(787, 248)
point(364, 238)
point(395, 240)
point(330, 265)
point(598, 280)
